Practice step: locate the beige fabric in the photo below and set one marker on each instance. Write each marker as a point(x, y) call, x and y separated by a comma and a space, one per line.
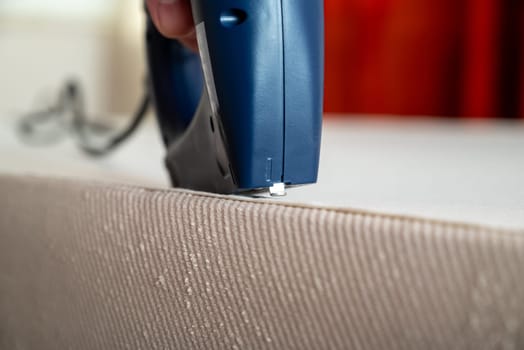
point(90, 266)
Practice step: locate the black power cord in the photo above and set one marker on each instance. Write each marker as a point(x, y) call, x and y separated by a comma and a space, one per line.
point(69, 115)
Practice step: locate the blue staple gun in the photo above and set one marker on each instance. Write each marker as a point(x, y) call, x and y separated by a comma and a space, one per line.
point(246, 112)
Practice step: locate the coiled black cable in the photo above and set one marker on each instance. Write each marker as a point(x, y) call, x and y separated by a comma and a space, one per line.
point(69, 113)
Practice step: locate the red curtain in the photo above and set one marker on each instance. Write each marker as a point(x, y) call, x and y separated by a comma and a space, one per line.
point(425, 57)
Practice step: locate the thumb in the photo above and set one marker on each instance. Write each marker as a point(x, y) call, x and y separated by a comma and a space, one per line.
point(174, 20)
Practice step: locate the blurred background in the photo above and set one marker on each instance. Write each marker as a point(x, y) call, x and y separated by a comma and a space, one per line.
point(452, 58)
point(426, 57)
point(43, 43)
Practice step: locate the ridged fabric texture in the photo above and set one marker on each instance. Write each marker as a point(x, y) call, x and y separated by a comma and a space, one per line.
point(95, 266)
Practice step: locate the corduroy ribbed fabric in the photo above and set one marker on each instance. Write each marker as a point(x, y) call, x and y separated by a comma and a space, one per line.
point(97, 266)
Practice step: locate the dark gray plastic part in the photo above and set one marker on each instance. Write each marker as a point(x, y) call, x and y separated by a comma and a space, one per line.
point(199, 159)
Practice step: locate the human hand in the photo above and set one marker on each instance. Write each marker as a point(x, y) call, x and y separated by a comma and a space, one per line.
point(173, 18)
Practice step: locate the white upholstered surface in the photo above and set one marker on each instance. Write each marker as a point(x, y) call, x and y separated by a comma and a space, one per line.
point(459, 171)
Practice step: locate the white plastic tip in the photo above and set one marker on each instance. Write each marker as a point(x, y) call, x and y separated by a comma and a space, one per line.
point(278, 190)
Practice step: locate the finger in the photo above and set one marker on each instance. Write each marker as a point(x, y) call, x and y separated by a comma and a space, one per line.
point(173, 18)
point(190, 41)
